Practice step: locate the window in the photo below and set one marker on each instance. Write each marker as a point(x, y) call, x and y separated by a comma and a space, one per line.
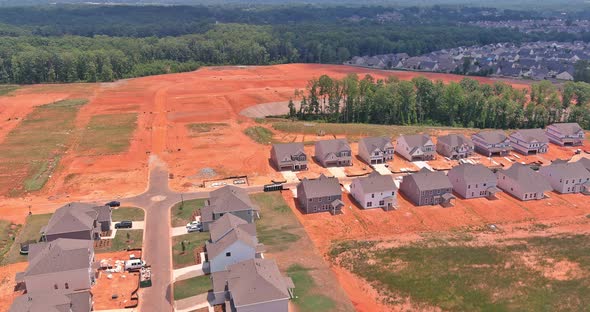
point(369, 204)
point(484, 185)
point(381, 203)
point(55, 286)
point(392, 193)
point(67, 286)
point(228, 254)
point(526, 196)
point(320, 199)
point(469, 186)
point(372, 195)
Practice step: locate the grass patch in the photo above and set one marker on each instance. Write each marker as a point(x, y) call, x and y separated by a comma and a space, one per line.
point(271, 228)
point(459, 277)
point(198, 128)
point(305, 298)
point(108, 134)
point(8, 232)
point(29, 232)
point(32, 150)
point(128, 214)
point(259, 134)
point(192, 287)
point(125, 239)
point(182, 213)
point(7, 89)
point(192, 241)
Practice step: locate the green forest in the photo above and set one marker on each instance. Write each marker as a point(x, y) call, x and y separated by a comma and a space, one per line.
point(77, 43)
point(467, 103)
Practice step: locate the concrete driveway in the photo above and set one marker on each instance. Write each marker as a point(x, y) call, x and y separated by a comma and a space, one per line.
point(382, 169)
point(338, 172)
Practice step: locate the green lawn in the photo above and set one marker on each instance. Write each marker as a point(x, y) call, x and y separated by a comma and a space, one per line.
point(108, 134)
point(181, 213)
point(457, 276)
point(123, 240)
point(7, 89)
point(8, 232)
point(128, 214)
point(259, 134)
point(305, 298)
point(29, 232)
point(192, 287)
point(197, 128)
point(192, 241)
point(277, 225)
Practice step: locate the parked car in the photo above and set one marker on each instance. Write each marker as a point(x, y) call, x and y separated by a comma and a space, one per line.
point(124, 225)
point(113, 203)
point(134, 265)
point(240, 181)
point(195, 226)
point(24, 247)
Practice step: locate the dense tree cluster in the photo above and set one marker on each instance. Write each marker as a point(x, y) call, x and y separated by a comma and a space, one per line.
point(422, 101)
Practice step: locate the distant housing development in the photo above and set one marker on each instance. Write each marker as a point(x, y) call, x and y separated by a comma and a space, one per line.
point(529, 141)
point(332, 153)
point(289, 156)
point(376, 150)
point(416, 147)
point(492, 143)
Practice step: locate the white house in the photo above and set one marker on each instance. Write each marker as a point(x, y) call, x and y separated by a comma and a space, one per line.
point(375, 191)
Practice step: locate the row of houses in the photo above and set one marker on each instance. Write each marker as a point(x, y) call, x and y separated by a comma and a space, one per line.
point(62, 267)
point(428, 187)
point(379, 150)
point(242, 279)
point(534, 60)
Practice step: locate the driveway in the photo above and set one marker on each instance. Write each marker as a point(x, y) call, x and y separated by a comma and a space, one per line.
point(382, 169)
point(290, 176)
point(338, 172)
point(177, 231)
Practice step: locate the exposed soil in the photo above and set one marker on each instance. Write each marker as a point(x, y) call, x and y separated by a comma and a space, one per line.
point(7, 284)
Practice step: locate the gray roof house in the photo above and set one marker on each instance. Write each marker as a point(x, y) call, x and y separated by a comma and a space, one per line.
point(428, 188)
point(333, 153)
point(492, 143)
point(78, 221)
point(415, 147)
point(228, 199)
point(319, 195)
point(375, 191)
point(239, 243)
point(376, 150)
point(523, 182)
point(585, 162)
point(288, 156)
point(59, 267)
point(254, 285)
point(565, 134)
point(567, 177)
point(80, 301)
point(454, 146)
point(529, 141)
point(473, 181)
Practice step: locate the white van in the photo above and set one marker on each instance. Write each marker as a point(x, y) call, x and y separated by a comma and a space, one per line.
point(134, 265)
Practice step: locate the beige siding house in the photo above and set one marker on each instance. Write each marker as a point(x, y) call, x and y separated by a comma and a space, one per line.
point(333, 153)
point(375, 191)
point(529, 141)
point(566, 178)
point(565, 134)
point(523, 182)
point(473, 181)
point(376, 150)
point(415, 147)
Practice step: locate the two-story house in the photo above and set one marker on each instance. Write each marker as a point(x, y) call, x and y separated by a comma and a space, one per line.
point(375, 191)
point(428, 188)
point(473, 181)
point(288, 156)
point(529, 141)
point(415, 147)
point(566, 178)
point(454, 146)
point(523, 182)
point(319, 195)
point(78, 221)
point(333, 153)
point(376, 150)
point(492, 143)
point(565, 134)
point(228, 199)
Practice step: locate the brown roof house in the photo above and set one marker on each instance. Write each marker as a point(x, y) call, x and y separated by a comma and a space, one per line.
point(80, 301)
point(319, 195)
point(523, 182)
point(288, 156)
point(567, 177)
point(78, 221)
point(473, 181)
point(454, 146)
point(232, 240)
point(61, 266)
point(529, 141)
point(415, 147)
point(228, 199)
point(333, 153)
point(375, 191)
point(565, 134)
point(254, 285)
point(428, 188)
point(492, 143)
point(376, 150)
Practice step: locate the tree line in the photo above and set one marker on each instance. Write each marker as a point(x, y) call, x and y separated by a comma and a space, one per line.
point(467, 103)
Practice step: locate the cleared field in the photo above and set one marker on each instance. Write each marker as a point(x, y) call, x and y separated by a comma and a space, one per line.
point(198, 128)
point(108, 134)
point(192, 287)
point(184, 247)
point(31, 151)
point(459, 273)
point(29, 232)
point(182, 213)
point(259, 134)
point(128, 213)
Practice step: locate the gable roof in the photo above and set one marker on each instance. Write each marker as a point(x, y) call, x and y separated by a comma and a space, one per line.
point(472, 173)
point(527, 178)
point(60, 255)
point(77, 302)
point(257, 281)
point(227, 223)
point(376, 182)
point(236, 235)
point(492, 136)
point(230, 198)
point(567, 128)
point(373, 143)
point(455, 140)
point(429, 180)
point(321, 187)
point(568, 170)
point(416, 140)
point(532, 135)
point(585, 162)
point(283, 150)
point(73, 217)
point(331, 146)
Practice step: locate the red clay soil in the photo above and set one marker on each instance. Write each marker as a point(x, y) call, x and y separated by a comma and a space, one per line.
point(122, 284)
point(7, 283)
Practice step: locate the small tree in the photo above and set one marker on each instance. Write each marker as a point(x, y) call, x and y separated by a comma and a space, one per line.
point(183, 246)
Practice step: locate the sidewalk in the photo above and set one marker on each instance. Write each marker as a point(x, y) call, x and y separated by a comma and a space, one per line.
point(188, 272)
point(193, 303)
